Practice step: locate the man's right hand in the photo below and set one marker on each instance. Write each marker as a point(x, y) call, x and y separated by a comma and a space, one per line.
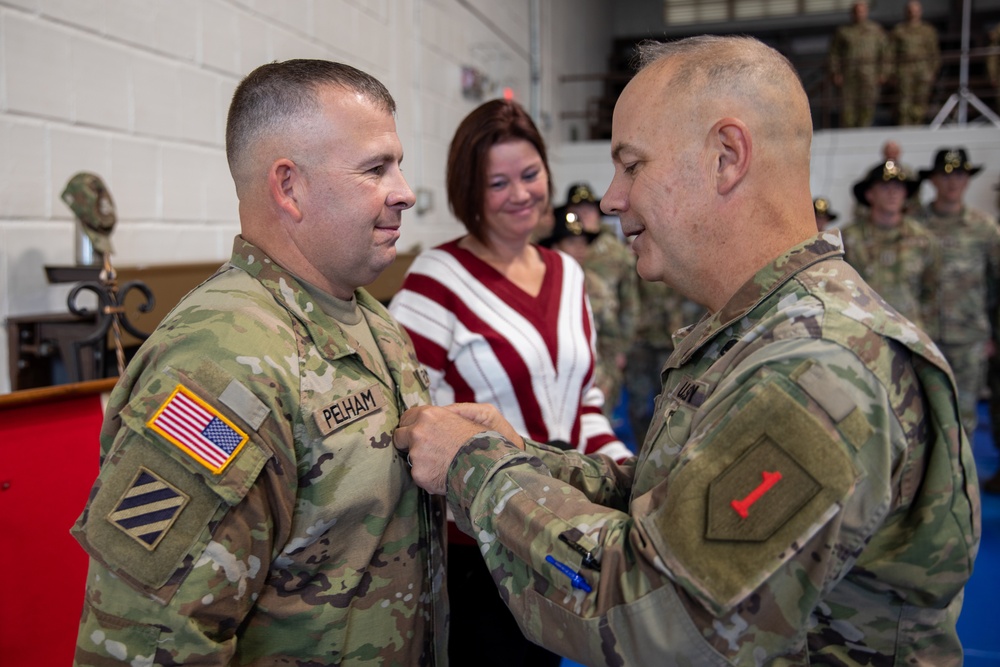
point(430, 436)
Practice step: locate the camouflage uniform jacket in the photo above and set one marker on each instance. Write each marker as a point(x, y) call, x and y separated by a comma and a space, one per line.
point(860, 48)
point(307, 544)
point(807, 496)
point(604, 308)
point(970, 271)
point(663, 310)
point(916, 47)
point(901, 263)
point(613, 262)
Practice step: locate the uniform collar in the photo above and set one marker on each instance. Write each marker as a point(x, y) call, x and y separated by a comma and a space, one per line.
point(289, 291)
point(764, 283)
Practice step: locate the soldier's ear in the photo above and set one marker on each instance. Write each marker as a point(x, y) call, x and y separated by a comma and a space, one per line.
point(286, 187)
point(730, 138)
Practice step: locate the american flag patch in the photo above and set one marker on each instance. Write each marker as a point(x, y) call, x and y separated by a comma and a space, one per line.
point(148, 508)
point(199, 429)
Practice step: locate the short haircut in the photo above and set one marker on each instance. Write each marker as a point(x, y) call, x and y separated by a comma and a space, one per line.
point(275, 93)
point(733, 63)
point(715, 66)
point(494, 122)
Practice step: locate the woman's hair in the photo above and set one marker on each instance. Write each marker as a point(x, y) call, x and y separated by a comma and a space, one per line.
point(494, 122)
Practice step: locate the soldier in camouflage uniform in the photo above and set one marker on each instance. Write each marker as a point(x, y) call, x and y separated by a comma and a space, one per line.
point(859, 65)
point(970, 271)
point(893, 252)
point(916, 56)
point(250, 509)
point(611, 261)
point(805, 494)
point(568, 235)
point(662, 311)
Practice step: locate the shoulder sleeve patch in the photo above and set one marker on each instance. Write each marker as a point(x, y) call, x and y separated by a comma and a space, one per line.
point(148, 514)
point(761, 485)
point(189, 420)
point(198, 429)
point(148, 508)
point(758, 494)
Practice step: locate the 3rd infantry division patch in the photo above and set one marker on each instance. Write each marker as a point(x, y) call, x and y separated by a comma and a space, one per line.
point(148, 508)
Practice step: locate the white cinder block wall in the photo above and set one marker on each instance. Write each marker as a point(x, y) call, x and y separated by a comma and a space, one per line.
point(137, 92)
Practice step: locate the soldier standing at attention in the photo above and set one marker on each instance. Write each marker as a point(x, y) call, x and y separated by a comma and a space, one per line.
point(859, 65)
point(893, 252)
point(611, 261)
point(250, 509)
point(805, 494)
point(917, 57)
point(969, 280)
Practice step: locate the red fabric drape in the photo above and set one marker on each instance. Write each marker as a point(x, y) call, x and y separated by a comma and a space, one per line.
point(48, 462)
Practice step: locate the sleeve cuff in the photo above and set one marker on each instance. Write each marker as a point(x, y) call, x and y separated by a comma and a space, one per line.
point(476, 462)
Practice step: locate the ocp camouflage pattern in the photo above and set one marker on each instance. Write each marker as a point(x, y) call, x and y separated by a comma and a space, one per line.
point(604, 307)
point(967, 292)
point(901, 263)
point(808, 496)
point(916, 57)
point(613, 263)
point(859, 52)
point(307, 549)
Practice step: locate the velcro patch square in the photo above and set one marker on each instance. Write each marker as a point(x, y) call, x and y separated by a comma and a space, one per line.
point(199, 429)
point(148, 508)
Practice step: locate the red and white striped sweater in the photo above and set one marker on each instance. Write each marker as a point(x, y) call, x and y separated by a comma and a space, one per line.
point(483, 339)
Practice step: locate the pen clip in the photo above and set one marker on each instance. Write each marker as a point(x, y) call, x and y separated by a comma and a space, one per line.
point(589, 561)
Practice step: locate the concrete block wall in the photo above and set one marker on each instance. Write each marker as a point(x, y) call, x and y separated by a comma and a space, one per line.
point(137, 92)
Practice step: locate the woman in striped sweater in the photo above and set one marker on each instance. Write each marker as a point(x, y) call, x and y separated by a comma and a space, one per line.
point(495, 319)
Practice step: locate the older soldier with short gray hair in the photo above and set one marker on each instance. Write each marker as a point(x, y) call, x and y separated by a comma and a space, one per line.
point(805, 495)
point(250, 508)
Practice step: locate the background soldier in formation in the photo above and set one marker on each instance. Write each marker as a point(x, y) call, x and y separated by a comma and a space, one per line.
point(969, 240)
point(916, 55)
point(568, 235)
point(859, 65)
point(891, 250)
point(611, 261)
point(662, 311)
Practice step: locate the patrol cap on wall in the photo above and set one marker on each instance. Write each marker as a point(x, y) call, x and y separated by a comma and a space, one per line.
point(566, 225)
point(91, 203)
point(580, 193)
point(885, 172)
point(950, 160)
point(821, 206)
